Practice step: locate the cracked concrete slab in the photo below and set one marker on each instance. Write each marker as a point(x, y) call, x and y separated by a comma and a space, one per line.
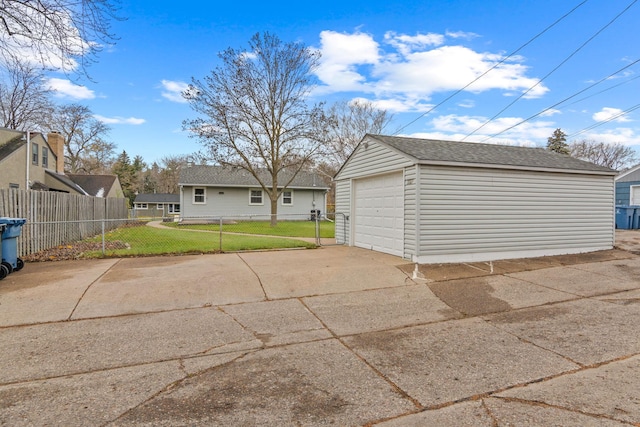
point(587, 331)
point(622, 298)
point(470, 356)
point(86, 399)
point(278, 322)
point(25, 296)
point(611, 391)
point(51, 350)
point(576, 280)
point(627, 270)
point(374, 310)
point(493, 294)
point(318, 383)
point(510, 413)
point(466, 414)
point(133, 285)
point(340, 269)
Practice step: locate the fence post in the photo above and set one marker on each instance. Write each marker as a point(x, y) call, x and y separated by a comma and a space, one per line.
point(318, 241)
point(220, 234)
point(103, 248)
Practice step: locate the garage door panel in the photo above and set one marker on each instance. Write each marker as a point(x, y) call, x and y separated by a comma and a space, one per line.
point(379, 213)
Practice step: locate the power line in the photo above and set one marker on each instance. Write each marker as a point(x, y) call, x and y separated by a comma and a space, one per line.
point(553, 70)
point(490, 69)
point(600, 123)
point(568, 98)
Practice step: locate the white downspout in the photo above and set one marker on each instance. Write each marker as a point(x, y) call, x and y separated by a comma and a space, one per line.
point(26, 182)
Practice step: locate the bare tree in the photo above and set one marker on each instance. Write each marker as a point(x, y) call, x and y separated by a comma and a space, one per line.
point(254, 111)
point(615, 156)
point(84, 139)
point(25, 104)
point(348, 123)
point(58, 34)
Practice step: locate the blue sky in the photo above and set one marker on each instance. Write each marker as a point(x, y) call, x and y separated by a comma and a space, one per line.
point(404, 56)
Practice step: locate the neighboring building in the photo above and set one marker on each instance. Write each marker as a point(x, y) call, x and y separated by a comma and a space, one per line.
point(156, 205)
point(442, 201)
point(31, 161)
point(99, 185)
point(628, 187)
point(216, 191)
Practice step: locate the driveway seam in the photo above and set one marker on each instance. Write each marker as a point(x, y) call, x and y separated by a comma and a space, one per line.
point(89, 287)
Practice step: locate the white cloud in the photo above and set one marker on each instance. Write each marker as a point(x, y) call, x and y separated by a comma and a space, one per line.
point(625, 136)
point(550, 112)
point(467, 103)
point(341, 56)
point(117, 120)
point(173, 90)
point(608, 113)
point(461, 35)
point(411, 66)
point(65, 89)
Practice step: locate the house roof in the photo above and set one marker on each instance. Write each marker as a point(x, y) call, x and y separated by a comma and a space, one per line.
point(223, 176)
point(627, 172)
point(447, 152)
point(157, 198)
point(94, 185)
point(66, 181)
point(11, 145)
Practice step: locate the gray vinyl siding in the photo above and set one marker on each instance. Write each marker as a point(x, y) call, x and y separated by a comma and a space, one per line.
point(410, 211)
point(234, 202)
point(372, 158)
point(490, 211)
point(343, 211)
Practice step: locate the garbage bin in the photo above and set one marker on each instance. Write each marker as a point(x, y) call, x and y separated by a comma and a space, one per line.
point(315, 214)
point(624, 217)
point(12, 229)
point(4, 271)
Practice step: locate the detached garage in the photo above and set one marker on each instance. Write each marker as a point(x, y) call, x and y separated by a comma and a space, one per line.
point(442, 201)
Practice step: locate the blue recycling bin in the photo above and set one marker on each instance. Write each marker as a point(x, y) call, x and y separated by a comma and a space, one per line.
point(625, 217)
point(10, 234)
point(4, 271)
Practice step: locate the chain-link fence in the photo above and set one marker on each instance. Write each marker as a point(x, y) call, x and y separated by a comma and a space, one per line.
point(57, 240)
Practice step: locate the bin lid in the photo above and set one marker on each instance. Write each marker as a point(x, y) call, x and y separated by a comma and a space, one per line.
point(12, 221)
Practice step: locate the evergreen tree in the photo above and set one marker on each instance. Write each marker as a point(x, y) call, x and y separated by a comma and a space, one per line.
point(558, 142)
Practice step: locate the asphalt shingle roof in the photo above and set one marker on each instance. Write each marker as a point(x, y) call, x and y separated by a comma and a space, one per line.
point(428, 150)
point(222, 176)
point(94, 185)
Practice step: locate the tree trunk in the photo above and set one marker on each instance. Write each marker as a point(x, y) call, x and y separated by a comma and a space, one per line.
point(274, 209)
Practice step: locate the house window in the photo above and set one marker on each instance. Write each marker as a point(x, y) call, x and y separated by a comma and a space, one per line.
point(255, 197)
point(634, 195)
point(287, 197)
point(174, 208)
point(199, 194)
point(141, 206)
point(45, 157)
point(15, 186)
point(160, 206)
point(34, 153)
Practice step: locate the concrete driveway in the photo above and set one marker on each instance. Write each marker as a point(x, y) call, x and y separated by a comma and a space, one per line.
point(333, 336)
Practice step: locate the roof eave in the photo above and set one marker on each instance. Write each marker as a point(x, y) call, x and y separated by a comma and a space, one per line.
point(514, 167)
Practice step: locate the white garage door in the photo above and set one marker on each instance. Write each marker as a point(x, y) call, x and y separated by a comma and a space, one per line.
point(379, 214)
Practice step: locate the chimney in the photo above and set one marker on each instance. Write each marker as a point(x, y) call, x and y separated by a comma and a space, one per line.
point(56, 142)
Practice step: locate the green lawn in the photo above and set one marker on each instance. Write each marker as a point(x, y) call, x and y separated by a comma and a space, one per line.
point(145, 240)
point(284, 228)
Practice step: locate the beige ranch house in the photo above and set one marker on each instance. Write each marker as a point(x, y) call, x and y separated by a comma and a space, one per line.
point(433, 201)
point(233, 193)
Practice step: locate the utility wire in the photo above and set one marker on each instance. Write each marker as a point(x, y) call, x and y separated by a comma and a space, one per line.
point(553, 70)
point(600, 123)
point(490, 69)
point(566, 99)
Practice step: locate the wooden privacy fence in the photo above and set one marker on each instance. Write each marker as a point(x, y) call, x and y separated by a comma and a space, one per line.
point(55, 218)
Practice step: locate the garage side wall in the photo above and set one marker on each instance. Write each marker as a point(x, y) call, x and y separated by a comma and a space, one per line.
point(475, 214)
